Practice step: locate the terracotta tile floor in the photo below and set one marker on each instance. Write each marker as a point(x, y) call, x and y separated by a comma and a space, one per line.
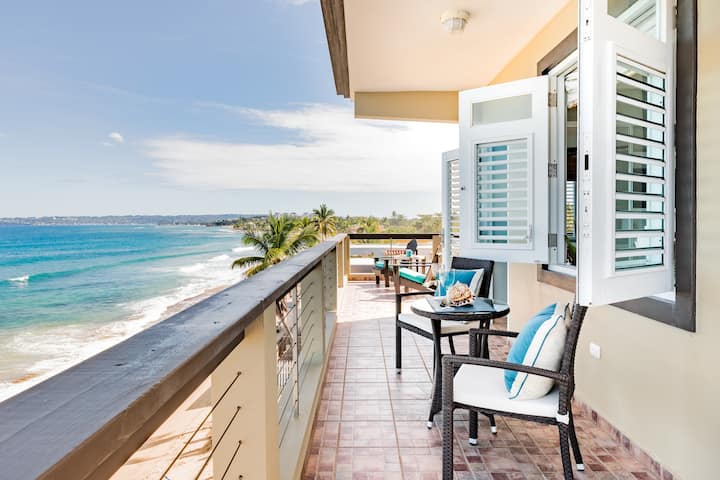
point(371, 421)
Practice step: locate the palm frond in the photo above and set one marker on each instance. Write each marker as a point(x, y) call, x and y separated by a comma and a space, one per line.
point(257, 240)
point(256, 269)
point(304, 238)
point(282, 236)
point(245, 261)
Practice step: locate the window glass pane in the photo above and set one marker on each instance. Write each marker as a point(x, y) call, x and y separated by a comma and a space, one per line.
point(639, 130)
point(502, 110)
point(502, 189)
point(628, 146)
point(640, 159)
point(641, 14)
point(453, 207)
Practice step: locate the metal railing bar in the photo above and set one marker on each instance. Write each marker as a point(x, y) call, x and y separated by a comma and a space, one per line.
point(190, 439)
point(306, 290)
point(288, 312)
point(285, 417)
point(305, 359)
point(222, 435)
point(282, 391)
point(302, 330)
point(307, 364)
point(237, 449)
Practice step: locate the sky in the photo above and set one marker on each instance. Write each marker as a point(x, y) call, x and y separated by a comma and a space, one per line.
point(185, 107)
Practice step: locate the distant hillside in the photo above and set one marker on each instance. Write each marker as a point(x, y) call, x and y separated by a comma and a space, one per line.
point(210, 220)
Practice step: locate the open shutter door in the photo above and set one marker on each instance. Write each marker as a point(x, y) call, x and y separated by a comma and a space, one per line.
point(504, 147)
point(451, 205)
point(625, 161)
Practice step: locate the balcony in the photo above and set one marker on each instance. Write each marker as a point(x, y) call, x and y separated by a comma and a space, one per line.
point(286, 375)
point(370, 422)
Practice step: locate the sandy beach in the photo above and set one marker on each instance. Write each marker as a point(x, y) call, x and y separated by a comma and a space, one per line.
point(180, 447)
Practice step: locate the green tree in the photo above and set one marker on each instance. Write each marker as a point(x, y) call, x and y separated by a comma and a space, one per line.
point(303, 222)
point(278, 238)
point(325, 221)
point(368, 225)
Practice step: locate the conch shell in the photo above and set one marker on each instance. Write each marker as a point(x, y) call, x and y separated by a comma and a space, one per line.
point(459, 294)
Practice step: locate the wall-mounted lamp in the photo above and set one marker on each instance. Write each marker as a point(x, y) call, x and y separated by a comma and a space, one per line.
point(454, 20)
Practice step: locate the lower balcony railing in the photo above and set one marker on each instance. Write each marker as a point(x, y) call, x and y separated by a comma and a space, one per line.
point(247, 362)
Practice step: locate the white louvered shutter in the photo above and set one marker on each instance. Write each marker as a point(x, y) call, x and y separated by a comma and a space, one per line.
point(451, 204)
point(626, 150)
point(504, 147)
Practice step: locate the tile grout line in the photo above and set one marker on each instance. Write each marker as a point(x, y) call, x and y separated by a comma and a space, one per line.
point(392, 404)
point(342, 399)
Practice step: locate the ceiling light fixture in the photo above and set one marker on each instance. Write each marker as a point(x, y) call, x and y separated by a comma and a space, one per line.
point(454, 20)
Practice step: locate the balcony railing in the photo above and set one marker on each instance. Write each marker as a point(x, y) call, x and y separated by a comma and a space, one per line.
point(261, 346)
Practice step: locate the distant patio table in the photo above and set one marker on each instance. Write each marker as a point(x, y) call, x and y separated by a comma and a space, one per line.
point(489, 311)
point(402, 261)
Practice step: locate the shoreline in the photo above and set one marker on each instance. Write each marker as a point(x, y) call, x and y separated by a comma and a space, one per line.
point(29, 379)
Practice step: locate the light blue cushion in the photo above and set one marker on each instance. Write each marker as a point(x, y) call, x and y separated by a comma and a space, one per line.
point(461, 276)
point(523, 341)
point(412, 275)
point(380, 264)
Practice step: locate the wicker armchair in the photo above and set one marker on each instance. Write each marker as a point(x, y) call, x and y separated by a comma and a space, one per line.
point(477, 384)
point(422, 326)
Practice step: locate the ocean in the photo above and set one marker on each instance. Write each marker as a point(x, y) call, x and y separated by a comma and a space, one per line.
point(69, 292)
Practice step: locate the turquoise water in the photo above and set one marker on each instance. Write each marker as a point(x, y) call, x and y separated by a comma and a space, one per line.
point(68, 292)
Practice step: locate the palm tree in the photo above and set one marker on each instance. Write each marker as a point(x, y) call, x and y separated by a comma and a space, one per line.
point(279, 238)
point(303, 222)
point(325, 221)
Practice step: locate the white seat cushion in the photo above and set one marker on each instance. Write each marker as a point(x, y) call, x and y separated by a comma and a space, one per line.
point(484, 387)
point(446, 326)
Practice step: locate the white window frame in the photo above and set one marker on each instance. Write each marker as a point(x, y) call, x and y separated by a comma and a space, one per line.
point(557, 189)
point(535, 131)
point(557, 157)
point(603, 39)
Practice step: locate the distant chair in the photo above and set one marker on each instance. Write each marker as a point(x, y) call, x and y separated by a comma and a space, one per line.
point(412, 245)
point(478, 385)
point(423, 326)
point(408, 278)
point(382, 268)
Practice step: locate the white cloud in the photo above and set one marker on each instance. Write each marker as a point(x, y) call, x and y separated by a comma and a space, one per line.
point(337, 153)
point(116, 137)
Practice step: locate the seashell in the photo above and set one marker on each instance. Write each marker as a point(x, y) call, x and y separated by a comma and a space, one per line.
point(459, 294)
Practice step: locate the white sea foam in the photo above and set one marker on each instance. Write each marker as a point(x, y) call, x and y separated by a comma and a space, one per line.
point(242, 249)
point(22, 279)
point(193, 268)
point(220, 258)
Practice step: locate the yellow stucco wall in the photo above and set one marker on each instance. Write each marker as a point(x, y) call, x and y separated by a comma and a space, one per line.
point(524, 64)
point(658, 384)
point(415, 106)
